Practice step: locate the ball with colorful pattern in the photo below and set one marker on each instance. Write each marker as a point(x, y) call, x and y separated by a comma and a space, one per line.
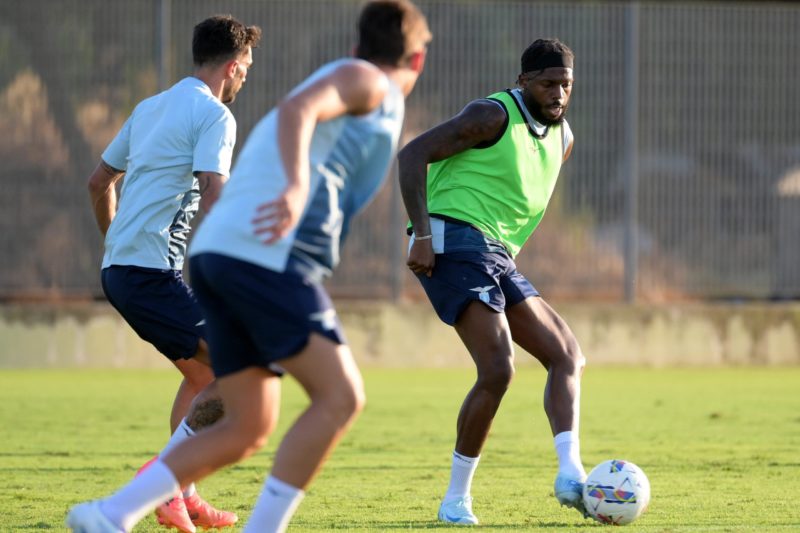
point(616, 492)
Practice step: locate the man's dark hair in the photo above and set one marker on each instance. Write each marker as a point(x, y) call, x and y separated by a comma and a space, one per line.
point(390, 31)
point(545, 53)
point(221, 38)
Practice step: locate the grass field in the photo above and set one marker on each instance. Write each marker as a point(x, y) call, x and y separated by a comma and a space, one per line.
point(721, 449)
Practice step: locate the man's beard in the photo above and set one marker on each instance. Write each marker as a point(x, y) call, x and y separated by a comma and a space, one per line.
point(228, 97)
point(229, 93)
point(538, 114)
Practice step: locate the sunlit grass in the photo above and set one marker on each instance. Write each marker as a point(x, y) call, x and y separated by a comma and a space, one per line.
point(721, 448)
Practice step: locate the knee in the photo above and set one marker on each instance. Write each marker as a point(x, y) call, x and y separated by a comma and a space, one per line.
point(346, 402)
point(246, 438)
point(360, 401)
point(252, 443)
point(352, 400)
point(573, 362)
point(580, 364)
point(496, 377)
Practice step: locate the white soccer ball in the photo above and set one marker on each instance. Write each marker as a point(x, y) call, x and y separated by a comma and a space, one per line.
point(616, 492)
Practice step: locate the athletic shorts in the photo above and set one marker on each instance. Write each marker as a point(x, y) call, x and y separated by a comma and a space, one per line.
point(158, 305)
point(459, 278)
point(256, 316)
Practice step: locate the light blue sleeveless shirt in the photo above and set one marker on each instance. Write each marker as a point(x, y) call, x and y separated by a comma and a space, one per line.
point(167, 138)
point(349, 159)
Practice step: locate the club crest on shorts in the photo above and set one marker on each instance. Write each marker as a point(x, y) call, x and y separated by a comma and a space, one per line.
point(326, 318)
point(483, 293)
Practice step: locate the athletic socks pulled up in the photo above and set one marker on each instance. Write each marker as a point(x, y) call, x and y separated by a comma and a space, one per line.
point(275, 507)
point(568, 450)
point(145, 492)
point(461, 474)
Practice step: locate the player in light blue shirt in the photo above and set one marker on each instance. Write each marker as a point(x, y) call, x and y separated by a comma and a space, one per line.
point(348, 157)
point(258, 259)
point(175, 154)
point(170, 142)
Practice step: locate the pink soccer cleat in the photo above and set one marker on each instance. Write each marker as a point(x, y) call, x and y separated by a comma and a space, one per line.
point(173, 513)
point(186, 513)
point(205, 516)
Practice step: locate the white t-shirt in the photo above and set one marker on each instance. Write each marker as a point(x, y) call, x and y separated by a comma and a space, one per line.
point(167, 138)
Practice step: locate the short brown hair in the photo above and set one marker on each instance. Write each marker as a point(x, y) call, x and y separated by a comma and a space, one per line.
point(390, 31)
point(220, 38)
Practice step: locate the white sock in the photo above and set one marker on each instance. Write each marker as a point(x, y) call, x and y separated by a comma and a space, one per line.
point(182, 432)
point(275, 506)
point(461, 476)
point(568, 449)
point(142, 495)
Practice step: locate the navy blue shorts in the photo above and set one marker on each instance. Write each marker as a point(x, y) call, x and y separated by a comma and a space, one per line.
point(460, 278)
point(256, 316)
point(159, 307)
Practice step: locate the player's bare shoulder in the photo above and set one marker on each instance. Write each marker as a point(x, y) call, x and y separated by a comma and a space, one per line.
point(482, 119)
point(362, 84)
point(479, 121)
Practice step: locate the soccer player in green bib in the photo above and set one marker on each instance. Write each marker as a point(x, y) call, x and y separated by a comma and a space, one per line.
point(475, 187)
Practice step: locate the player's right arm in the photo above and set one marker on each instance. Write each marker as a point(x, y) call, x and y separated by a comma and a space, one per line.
point(103, 194)
point(353, 88)
point(480, 121)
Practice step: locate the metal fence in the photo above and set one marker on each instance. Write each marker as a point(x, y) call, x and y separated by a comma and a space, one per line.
point(684, 181)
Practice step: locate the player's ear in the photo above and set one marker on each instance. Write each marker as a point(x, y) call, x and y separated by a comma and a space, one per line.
point(417, 61)
point(230, 68)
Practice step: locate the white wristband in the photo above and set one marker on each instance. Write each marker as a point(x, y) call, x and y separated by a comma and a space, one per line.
point(423, 237)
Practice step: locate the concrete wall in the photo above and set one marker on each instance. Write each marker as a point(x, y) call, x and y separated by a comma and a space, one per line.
point(93, 335)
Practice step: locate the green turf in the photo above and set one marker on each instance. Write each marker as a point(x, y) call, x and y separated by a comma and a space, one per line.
point(721, 449)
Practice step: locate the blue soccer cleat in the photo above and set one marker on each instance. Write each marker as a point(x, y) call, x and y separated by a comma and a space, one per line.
point(569, 492)
point(458, 511)
point(88, 518)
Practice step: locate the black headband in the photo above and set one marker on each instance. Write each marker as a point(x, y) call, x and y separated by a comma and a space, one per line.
point(547, 59)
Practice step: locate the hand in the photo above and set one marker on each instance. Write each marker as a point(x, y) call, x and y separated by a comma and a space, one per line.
point(274, 220)
point(421, 258)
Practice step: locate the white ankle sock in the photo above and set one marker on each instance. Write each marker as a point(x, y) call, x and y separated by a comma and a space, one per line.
point(142, 495)
point(182, 432)
point(189, 490)
point(461, 473)
point(568, 450)
point(275, 506)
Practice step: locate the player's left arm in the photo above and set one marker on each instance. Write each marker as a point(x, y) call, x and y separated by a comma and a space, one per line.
point(103, 194)
point(210, 184)
point(353, 88)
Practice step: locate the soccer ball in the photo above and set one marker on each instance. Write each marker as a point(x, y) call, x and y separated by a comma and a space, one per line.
point(616, 492)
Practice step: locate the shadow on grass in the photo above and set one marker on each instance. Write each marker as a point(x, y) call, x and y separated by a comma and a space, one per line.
point(426, 524)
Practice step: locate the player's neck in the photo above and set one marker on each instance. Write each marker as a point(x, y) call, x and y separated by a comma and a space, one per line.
point(404, 78)
point(212, 78)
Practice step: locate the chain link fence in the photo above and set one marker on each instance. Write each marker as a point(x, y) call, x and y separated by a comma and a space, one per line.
point(684, 182)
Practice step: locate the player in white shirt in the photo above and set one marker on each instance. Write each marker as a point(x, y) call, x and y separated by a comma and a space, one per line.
point(257, 262)
point(175, 153)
